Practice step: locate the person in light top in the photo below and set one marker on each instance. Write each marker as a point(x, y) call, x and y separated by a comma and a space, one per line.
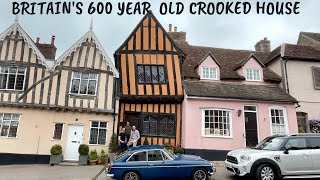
point(134, 137)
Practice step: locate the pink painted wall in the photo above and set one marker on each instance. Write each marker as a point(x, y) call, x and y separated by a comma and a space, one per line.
point(209, 62)
point(192, 123)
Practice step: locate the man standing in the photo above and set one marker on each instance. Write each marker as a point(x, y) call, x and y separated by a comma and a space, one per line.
point(128, 130)
point(135, 136)
point(123, 140)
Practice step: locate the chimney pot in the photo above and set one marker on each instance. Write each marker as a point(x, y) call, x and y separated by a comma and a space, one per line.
point(170, 27)
point(38, 40)
point(263, 45)
point(53, 39)
point(175, 29)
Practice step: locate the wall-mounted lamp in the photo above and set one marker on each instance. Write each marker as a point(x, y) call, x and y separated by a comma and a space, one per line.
point(239, 112)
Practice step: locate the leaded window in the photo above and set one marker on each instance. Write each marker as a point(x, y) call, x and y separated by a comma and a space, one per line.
point(158, 125)
point(151, 74)
point(9, 125)
point(84, 83)
point(98, 132)
point(57, 132)
point(12, 78)
point(217, 122)
point(278, 121)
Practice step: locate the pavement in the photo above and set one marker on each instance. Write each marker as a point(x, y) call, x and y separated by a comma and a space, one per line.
point(46, 172)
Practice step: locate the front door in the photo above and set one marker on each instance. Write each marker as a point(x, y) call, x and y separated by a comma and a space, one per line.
point(251, 128)
point(134, 119)
point(74, 139)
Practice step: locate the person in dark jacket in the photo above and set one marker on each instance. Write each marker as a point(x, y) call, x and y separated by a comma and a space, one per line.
point(128, 130)
point(123, 139)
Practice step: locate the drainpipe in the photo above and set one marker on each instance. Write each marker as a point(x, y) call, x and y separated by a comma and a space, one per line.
point(286, 74)
point(114, 102)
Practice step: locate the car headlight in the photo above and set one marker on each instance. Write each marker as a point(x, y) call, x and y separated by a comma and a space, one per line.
point(245, 158)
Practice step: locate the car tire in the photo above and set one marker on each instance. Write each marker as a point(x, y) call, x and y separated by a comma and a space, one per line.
point(266, 172)
point(199, 174)
point(131, 175)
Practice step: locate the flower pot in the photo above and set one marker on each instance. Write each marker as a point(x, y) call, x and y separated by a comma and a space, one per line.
point(99, 162)
point(112, 156)
point(83, 159)
point(93, 162)
point(55, 159)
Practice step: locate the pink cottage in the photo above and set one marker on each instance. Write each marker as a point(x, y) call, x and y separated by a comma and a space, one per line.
point(232, 100)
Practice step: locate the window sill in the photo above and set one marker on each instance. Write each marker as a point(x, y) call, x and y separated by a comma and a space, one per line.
point(254, 80)
point(222, 137)
point(209, 79)
point(56, 139)
point(78, 96)
point(97, 145)
point(4, 137)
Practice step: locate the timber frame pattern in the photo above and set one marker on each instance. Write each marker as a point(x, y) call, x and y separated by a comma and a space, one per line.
point(47, 81)
point(150, 44)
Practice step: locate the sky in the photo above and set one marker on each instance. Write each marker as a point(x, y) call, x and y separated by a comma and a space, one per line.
point(223, 31)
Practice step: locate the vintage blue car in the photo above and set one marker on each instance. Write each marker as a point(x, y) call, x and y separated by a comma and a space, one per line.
point(155, 162)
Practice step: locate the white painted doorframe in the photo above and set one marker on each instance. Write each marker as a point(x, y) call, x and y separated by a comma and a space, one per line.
point(73, 141)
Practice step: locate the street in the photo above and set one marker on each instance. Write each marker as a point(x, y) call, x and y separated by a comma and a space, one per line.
point(46, 172)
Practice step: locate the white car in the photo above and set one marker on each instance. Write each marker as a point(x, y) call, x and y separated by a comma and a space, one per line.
point(277, 157)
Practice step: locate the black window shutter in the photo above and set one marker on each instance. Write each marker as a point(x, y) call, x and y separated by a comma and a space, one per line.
point(316, 77)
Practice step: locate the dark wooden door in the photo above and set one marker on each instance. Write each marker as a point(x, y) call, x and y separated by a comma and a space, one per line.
point(134, 119)
point(251, 129)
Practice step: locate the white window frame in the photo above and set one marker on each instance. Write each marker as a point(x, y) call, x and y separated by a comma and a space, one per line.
point(79, 94)
point(16, 74)
point(53, 129)
point(252, 72)
point(217, 136)
point(284, 116)
point(215, 74)
point(98, 132)
point(10, 125)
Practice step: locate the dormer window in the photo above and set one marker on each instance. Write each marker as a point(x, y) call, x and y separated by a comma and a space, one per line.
point(253, 74)
point(209, 73)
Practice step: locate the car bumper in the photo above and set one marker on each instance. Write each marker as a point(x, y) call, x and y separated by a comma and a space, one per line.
point(237, 169)
point(110, 175)
point(214, 170)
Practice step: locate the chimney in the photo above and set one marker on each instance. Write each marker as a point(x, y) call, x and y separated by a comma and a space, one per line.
point(177, 36)
point(263, 45)
point(52, 39)
point(48, 50)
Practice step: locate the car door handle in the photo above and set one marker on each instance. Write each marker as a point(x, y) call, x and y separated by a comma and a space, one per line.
point(151, 164)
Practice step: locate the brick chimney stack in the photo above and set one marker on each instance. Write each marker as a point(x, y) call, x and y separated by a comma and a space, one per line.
point(177, 36)
point(48, 50)
point(263, 45)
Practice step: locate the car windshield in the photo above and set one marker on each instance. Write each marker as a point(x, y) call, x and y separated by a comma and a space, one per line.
point(271, 144)
point(170, 154)
point(121, 155)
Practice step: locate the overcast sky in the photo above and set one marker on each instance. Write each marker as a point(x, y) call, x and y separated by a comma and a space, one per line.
point(225, 31)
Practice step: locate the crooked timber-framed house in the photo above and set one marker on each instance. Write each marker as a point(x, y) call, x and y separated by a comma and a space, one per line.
point(151, 84)
point(45, 101)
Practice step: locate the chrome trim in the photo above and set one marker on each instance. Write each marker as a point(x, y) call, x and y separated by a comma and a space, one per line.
point(161, 166)
point(110, 175)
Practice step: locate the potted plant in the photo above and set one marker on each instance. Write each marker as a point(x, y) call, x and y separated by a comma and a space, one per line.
point(93, 158)
point(102, 157)
point(83, 154)
point(178, 150)
point(145, 142)
point(56, 154)
point(113, 147)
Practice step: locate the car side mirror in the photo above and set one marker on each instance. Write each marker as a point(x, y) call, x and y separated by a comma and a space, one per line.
point(286, 149)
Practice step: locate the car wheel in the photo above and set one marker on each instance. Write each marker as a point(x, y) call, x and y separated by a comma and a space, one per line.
point(199, 174)
point(266, 172)
point(131, 175)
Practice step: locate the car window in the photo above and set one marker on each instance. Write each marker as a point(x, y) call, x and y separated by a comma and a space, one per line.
point(165, 157)
point(155, 155)
point(140, 156)
point(314, 143)
point(296, 144)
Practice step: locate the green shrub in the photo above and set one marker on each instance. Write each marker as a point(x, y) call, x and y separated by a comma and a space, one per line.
point(179, 151)
point(113, 145)
point(93, 155)
point(301, 130)
point(145, 142)
point(56, 149)
point(83, 149)
point(102, 154)
point(168, 146)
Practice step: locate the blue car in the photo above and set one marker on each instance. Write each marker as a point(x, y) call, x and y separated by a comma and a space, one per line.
point(155, 162)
